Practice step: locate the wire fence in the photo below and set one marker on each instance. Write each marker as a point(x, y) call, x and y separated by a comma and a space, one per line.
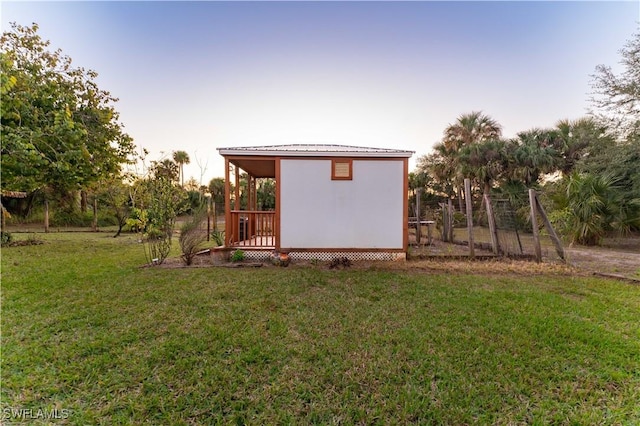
point(498, 229)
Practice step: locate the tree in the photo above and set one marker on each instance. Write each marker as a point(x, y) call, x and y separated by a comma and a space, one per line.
point(574, 139)
point(621, 161)
point(437, 167)
point(181, 158)
point(616, 98)
point(59, 129)
point(216, 188)
point(532, 155)
point(266, 193)
point(116, 195)
point(483, 161)
point(165, 202)
point(166, 169)
point(596, 204)
point(471, 128)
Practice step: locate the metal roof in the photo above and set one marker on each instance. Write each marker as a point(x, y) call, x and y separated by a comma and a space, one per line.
point(314, 150)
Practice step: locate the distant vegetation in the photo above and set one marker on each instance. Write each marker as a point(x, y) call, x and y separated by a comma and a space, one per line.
point(588, 169)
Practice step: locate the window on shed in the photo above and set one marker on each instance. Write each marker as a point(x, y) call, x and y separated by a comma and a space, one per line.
point(341, 169)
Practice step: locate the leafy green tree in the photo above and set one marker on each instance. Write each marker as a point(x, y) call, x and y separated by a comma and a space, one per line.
point(59, 129)
point(165, 203)
point(440, 171)
point(266, 193)
point(116, 195)
point(577, 138)
point(616, 98)
point(619, 160)
point(166, 169)
point(181, 158)
point(419, 179)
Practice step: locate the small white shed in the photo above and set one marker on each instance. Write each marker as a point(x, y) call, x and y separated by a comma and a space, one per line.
point(331, 200)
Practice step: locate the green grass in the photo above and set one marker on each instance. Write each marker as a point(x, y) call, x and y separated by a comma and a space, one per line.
point(84, 328)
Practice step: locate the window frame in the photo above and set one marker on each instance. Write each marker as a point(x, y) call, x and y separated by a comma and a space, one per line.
point(335, 162)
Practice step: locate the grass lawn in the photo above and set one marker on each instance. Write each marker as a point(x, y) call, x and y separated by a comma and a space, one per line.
point(85, 329)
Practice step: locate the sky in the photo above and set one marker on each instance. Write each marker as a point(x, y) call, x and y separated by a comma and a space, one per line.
point(196, 76)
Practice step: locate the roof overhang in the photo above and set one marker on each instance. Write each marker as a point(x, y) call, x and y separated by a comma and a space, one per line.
point(314, 151)
point(256, 167)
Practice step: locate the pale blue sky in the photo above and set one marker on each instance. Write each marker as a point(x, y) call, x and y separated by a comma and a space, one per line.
point(200, 75)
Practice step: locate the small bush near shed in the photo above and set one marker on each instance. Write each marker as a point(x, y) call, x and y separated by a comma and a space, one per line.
point(192, 237)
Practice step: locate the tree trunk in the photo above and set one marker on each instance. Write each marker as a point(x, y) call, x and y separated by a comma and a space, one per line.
point(83, 201)
point(487, 188)
point(95, 214)
point(120, 226)
point(46, 216)
point(469, 210)
point(4, 223)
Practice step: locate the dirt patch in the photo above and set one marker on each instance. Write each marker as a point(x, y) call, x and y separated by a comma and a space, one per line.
point(603, 260)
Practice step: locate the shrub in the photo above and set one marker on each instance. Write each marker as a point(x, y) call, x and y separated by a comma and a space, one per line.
point(158, 221)
point(218, 237)
point(191, 236)
point(6, 238)
point(237, 256)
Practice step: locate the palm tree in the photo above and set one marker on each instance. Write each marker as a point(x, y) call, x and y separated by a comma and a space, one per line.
point(484, 161)
point(471, 128)
point(533, 154)
point(181, 158)
point(435, 168)
point(166, 169)
point(595, 205)
point(468, 129)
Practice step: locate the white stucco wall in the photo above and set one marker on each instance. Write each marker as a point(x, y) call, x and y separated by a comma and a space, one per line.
point(317, 212)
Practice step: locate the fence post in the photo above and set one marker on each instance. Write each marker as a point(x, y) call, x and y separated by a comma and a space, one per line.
point(550, 230)
point(492, 225)
point(208, 218)
point(467, 198)
point(534, 225)
point(418, 227)
point(445, 223)
point(450, 220)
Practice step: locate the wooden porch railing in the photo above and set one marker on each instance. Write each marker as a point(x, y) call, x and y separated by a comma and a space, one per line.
point(252, 229)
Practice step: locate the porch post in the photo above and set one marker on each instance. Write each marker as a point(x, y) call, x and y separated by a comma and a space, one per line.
point(227, 204)
point(276, 225)
point(249, 192)
point(255, 194)
point(250, 202)
point(237, 202)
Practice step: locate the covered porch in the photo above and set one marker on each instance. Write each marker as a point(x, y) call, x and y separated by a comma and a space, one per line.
point(247, 225)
